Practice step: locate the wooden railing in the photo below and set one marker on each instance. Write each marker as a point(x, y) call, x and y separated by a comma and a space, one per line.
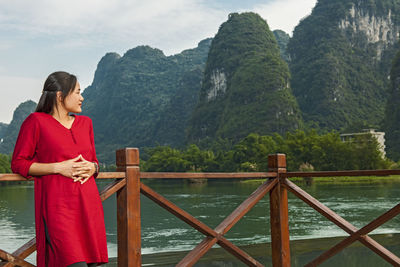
point(128, 186)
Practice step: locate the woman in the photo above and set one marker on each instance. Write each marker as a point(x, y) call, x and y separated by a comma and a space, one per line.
point(57, 149)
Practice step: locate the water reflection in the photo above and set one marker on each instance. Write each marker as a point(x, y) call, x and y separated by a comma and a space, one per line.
point(211, 203)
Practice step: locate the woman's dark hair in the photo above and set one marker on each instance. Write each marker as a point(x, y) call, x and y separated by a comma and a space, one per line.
point(57, 81)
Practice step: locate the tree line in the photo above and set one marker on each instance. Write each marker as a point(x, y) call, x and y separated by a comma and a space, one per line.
point(305, 151)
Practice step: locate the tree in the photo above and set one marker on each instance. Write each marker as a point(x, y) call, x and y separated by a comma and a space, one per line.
point(166, 159)
point(5, 163)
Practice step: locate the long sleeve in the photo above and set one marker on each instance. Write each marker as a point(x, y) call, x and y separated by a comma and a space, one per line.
point(25, 148)
point(94, 159)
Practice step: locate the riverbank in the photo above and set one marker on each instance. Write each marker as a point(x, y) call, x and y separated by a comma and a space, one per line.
point(317, 180)
point(337, 180)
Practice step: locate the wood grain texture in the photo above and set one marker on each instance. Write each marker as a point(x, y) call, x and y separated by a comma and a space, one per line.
point(127, 157)
point(12, 177)
point(245, 207)
point(178, 212)
point(128, 189)
point(128, 209)
point(195, 254)
point(342, 223)
point(111, 188)
point(279, 218)
point(238, 253)
point(16, 177)
point(357, 235)
point(212, 236)
point(14, 260)
point(111, 175)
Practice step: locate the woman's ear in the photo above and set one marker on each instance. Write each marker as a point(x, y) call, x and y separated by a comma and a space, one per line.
point(59, 97)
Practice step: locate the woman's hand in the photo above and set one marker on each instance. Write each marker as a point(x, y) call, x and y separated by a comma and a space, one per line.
point(67, 167)
point(78, 169)
point(83, 170)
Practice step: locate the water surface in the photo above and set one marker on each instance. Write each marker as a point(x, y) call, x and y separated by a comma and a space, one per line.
point(211, 203)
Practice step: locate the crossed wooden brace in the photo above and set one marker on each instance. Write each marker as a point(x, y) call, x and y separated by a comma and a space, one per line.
point(17, 258)
point(355, 234)
point(216, 235)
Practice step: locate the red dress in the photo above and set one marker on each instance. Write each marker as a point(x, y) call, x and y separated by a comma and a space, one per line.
point(72, 212)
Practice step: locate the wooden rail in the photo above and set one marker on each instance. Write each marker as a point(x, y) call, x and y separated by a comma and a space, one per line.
point(127, 186)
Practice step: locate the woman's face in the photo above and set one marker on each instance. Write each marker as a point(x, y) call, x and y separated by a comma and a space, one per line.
point(73, 101)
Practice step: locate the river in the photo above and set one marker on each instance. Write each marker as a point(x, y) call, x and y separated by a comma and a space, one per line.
point(211, 202)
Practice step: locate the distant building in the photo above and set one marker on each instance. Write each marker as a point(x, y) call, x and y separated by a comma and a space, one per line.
point(380, 137)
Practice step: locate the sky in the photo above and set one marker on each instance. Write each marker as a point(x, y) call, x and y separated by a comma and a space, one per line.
point(42, 36)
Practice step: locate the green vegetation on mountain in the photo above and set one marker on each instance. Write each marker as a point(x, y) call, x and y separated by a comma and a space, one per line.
point(3, 127)
point(236, 89)
point(246, 85)
point(392, 114)
point(170, 129)
point(304, 150)
point(12, 130)
point(5, 163)
point(131, 95)
point(340, 60)
point(283, 39)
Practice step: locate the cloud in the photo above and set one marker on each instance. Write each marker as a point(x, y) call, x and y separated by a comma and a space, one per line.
point(45, 35)
point(5, 46)
point(172, 25)
point(15, 90)
point(285, 14)
point(124, 22)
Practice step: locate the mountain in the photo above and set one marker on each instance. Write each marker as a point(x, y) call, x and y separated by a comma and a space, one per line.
point(246, 86)
point(283, 39)
point(132, 95)
point(11, 132)
point(170, 129)
point(340, 60)
point(392, 114)
point(3, 128)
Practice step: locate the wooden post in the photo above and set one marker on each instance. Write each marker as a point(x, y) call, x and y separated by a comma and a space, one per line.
point(279, 214)
point(128, 209)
